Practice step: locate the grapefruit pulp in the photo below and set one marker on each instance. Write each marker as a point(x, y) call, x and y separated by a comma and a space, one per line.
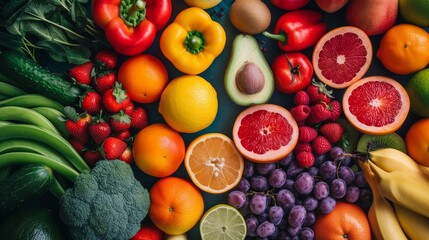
point(342, 56)
point(265, 133)
point(376, 105)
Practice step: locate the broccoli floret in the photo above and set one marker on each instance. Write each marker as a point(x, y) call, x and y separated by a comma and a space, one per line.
point(106, 203)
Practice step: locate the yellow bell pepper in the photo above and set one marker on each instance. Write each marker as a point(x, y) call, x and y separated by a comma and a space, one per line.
point(192, 41)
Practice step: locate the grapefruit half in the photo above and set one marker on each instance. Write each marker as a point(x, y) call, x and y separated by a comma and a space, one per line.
point(376, 105)
point(342, 56)
point(265, 133)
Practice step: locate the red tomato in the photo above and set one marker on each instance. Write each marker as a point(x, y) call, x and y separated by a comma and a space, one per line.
point(148, 232)
point(290, 4)
point(292, 72)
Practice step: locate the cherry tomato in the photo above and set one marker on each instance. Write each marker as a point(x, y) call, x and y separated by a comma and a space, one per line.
point(148, 232)
point(292, 72)
point(290, 4)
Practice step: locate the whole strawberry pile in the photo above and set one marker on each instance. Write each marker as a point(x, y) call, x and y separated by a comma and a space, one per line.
point(102, 126)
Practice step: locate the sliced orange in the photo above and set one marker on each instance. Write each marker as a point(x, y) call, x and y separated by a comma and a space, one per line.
point(213, 163)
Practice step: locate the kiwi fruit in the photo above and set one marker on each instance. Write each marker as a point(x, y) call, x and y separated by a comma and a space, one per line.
point(369, 143)
point(350, 136)
point(250, 16)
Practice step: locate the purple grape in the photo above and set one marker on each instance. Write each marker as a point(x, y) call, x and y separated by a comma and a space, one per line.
point(310, 219)
point(319, 159)
point(285, 199)
point(289, 184)
point(236, 198)
point(265, 168)
point(352, 194)
point(251, 223)
point(277, 178)
point(262, 217)
point(243, 185)
point(294, 170)
point(328, 170)
point(365, 195)
point(249, 169)
point(297, 216)
point(304, 183)
point(321, 190)
point(360, 180)
point(283, 235)
point(275, 234)
point(259, 183)
point(287, 160)
point(306, 234)
point(275, 214)
point(283, 224)
point(314, 171)
point(265, 229)
point(310, 203)
point(336, 153)
point(347, 174)
point(258, 203)
point(245, 209)
point(345, 160)
point(326, 205)
point(293, 231)
point(338, 188)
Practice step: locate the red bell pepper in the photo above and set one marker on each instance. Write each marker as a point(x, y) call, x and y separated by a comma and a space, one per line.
point(297, 30)
point(292, 72)
point(130, 26)
point(289, 4)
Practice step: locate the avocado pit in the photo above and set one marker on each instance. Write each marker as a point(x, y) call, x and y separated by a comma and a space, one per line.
point(249, 78)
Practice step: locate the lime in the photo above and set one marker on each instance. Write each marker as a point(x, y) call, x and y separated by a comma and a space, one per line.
point(222, 221)
point(418, 91)
point(415, 11)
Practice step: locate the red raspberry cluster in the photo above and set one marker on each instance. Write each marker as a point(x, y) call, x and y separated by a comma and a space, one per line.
point(316, 113)
point(100, 126)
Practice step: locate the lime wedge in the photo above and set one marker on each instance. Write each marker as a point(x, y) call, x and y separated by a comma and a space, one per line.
point(222, 222)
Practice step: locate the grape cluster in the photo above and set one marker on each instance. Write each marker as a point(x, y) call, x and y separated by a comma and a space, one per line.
point(282, 200)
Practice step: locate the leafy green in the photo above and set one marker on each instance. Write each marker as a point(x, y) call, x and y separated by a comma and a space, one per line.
point(61, 28)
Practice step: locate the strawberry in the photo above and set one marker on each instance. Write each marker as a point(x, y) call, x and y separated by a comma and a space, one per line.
point(99, 130)
point(127, 156)
point(139, 118)
point(318, 92)
point(307, 134)
point(115, 99)
point(82, 73)
point(92, 157)
point(129, 108)
point(300, 113)
point(302, 147)
point(106, 59)
point(336, 110)
point(77, 145)
point(321, 145)
point(77, 125)
point(104, 81)
point(112, 148)
point(301, 98)
point(120, 122)
point(305, 159)
point(319, 112)
point(332, 131)
point(91, 102)
point(124, 136)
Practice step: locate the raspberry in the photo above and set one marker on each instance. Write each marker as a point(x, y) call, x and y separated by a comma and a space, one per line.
point(336, 110)
point(301, 98)
point(305, 159)
point(300, 112)
point(318, 92)
point(303, 147)
point(318, 113)
point(306, 134)
point(321, 145)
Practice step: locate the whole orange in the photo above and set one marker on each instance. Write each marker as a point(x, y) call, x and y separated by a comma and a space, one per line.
point(346, 221)
point(417, 141)
point(158, 150)
point(144, 77)
point(404, 49)
point(176, 205)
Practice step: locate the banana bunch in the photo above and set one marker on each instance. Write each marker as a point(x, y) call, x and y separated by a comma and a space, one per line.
point(32, 130)
point(400, 186)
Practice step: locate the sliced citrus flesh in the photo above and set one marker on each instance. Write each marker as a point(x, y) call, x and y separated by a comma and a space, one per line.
point(222, 222)
point(265, 133)
point(213, 163)
point(342, 56)
point(376, 105)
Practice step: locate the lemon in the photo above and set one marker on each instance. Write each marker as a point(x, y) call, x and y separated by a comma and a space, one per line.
point(418, 91)
point(204, 4)
point(222, 221)
point(188, 104)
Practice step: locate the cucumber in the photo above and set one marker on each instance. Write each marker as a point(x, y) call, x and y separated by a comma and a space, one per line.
point(26, 183)
point(32, 223)
point(32, 77)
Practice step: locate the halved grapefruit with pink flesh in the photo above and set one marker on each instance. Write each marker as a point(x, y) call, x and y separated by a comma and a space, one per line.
point(265, 133)
point(376, 105)
point(342, 56)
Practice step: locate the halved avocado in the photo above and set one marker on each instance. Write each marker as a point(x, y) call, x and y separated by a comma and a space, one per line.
point(247, 54)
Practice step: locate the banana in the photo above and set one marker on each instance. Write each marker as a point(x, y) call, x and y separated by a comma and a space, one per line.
point(56, 117)
point(9, 90)
point(407, 190)
point(414, 225)
point(26, 115)
point(381, 215)
point(31, 101)
point(53, 140)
